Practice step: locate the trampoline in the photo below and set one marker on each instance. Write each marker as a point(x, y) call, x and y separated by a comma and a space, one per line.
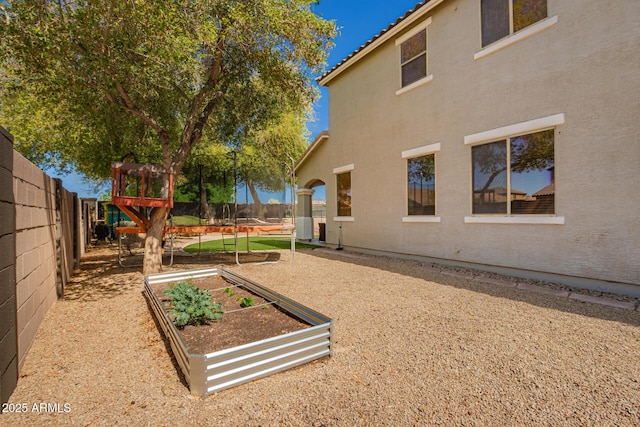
point(137, 186)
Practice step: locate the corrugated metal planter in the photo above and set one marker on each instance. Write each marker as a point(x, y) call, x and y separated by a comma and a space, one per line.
point(210, 373)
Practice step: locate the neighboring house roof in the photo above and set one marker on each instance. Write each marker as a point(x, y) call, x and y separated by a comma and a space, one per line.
point(549, 190)
point(319, 139)
point(501, 190)
point(394, 28)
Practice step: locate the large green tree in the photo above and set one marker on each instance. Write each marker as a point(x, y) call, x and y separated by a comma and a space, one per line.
point(262, 158)
point(268, 156)
point(207, 176)
point(178, 70)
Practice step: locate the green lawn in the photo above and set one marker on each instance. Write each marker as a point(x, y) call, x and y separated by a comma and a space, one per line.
point(256, 243)
point(187, 220)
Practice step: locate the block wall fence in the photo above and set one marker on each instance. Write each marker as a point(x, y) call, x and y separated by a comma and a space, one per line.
point(42, 237)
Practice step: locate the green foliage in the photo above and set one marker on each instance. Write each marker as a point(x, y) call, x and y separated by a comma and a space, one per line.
point(229, 292)
point(191, 305)
point(216, 191)
point(91, 82)
point(245, 302)
point(100, 81)
point(210, 165)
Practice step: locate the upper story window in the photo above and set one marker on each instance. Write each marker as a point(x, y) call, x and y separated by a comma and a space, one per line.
point(414, 61)
point(501, 18)
point(413, 58)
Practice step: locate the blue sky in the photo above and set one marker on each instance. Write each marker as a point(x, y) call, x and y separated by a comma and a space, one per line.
point(357, 21)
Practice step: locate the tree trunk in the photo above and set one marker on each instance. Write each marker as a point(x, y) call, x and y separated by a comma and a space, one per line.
point(204, 205)
point(152, 262)
point(256, 200)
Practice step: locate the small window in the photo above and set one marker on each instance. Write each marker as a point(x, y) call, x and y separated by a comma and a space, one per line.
point(421, 180)
point(501, 18)
point(515, 176)
point(344, 193)
point(413, 58)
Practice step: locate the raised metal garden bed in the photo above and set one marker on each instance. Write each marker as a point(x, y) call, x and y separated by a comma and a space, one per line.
point(210, 373)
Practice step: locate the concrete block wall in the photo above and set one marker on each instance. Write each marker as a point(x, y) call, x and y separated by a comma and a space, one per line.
point(41, 242)
point(69, 227)
point(36, 233)
point(8, 321)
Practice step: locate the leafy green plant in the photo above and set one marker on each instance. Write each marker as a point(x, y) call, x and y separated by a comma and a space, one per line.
point(245, 301)
point(191, 305)
point(228, 292)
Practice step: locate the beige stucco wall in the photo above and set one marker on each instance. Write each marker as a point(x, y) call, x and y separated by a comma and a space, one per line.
point(585, 66)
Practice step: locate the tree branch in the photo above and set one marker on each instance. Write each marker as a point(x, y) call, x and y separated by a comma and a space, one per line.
point(214, 72)
point(127, 103)
point(195, 135)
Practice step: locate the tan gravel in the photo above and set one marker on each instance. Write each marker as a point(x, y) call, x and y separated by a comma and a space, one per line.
point(412, 347)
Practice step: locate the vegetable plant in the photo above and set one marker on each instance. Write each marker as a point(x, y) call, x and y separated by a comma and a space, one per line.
point(191, 305)
point(245, 301)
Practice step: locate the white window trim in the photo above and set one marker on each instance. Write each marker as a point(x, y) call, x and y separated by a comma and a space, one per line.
point(426, 79)
point(518, 219)
point(416, 30)
point(421, 218)
point(418, 152)
point(421, 151)
point(423, 81)
point(343, 169)
point(344, 218)
point(516, 129)
point(517, 37)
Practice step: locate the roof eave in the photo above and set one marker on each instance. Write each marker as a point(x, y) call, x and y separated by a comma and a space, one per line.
point(381, 38)
point(322, 136)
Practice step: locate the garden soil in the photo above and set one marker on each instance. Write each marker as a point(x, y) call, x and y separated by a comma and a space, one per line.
point(238, 325)
point(414, 344)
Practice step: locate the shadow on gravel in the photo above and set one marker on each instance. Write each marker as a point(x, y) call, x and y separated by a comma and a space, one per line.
point(101, 276)
point(479, 281)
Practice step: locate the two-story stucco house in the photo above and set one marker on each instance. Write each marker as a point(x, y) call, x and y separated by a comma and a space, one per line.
point(494, 134)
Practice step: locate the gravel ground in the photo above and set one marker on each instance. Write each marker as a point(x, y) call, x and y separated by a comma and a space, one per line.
point(414, 345)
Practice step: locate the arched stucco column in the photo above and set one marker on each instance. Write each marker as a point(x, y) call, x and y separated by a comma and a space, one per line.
point(304, 214)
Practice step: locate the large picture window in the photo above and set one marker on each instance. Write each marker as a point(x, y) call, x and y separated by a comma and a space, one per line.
point(421, 180)
point(343, 181)
point(501, 18)
point(515, 176)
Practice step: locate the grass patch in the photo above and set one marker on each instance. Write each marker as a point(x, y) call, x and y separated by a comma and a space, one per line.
point(188, 220)
point(256, 243)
